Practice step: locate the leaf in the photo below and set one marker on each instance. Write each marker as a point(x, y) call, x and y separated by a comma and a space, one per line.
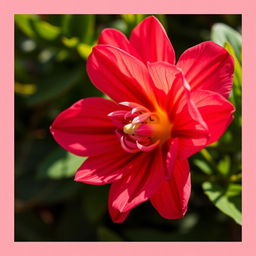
point(80, 26)
point(60, 164)
point(203, 166)
point(34, 27)
point(106, 234)
point(70, 42)
point(224, 166)
point(226, 200)
point(23, 21)
point(237, 88)
point(222, 33)
point(238, 68)
point(84, 50)
point(24, 89)
point(54, 85)
point(45, 30)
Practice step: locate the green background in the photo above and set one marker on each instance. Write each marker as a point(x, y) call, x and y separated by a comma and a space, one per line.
point(50, 59)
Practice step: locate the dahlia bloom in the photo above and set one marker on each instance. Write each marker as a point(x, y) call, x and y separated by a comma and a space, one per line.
point(160, 114)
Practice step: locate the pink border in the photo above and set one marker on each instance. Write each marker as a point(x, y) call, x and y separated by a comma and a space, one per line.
point(7, 244)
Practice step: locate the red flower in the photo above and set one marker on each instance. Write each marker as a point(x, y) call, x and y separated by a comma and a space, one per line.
point(160, 115)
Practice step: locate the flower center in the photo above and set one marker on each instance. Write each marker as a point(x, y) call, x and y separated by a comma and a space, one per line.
point(140, 129)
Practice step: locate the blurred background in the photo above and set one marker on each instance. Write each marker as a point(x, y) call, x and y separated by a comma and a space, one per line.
point(50, 59)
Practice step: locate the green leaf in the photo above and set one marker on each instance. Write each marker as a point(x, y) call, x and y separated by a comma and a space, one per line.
point(70, 42)
point(80, 26)
point(54, 85)
point(45, 30)
point(84, 50)
point(24, 21)
point(224, 166)
point(227, 200)
point(60, 164)
point(203, 166)
point(106, 234)
point(238, 69)
point(237, 88)
point(222, 33)
point(34, 27)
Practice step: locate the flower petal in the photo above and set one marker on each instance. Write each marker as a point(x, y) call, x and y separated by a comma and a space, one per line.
point(172, 148)
point(85, 129)
point(115, 38)
point(173, 94)
point(115, 214)
point(171, 199)
point(216, 111)
point(105, 168)
point(151, 41)
point(167, 83)
point(208, 66)
point(119, 75)
point(138, 185)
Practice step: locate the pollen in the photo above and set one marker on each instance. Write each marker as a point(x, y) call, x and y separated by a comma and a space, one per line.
point(142, 130)
point(130, 128)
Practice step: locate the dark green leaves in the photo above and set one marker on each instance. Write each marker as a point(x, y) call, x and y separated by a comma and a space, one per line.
point(227, 199)
point(79, 26)
point(222, 33)
point(60, 164)
point(54, 85)
point(34, 27)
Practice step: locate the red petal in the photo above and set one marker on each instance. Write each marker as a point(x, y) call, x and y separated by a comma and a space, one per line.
point(151, 41)
point(171, 156)
point(115, 38)
point(171, 199)
point(190, 146)
point(116, 215)
point(208, 66)
point(167, 83)
point(103, 169)
point(147, 172)
point(85, 129)
point(189, 123)
point(173, 94)
point(216, 111)
point(119, 75)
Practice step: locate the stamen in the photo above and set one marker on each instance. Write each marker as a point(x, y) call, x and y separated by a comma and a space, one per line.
point(141, 118)
point(139, 129)
point(130, 128)
point(126, 148)
point(147, 148)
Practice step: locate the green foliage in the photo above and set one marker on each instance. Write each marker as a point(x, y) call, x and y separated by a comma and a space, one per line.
point(60, 164)
point(226, 195)
point(33, 27)
point(222, 33)
point(50, 75)
point(228, 199)
point(53, 86)
point(79, 26)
